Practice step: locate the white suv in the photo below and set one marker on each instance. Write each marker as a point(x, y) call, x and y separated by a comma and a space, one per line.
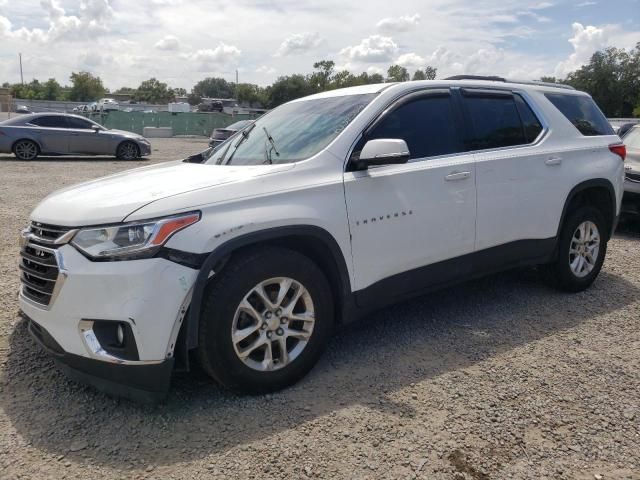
point(322, 210)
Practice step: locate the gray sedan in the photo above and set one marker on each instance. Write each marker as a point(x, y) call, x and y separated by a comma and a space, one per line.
point(28, 136)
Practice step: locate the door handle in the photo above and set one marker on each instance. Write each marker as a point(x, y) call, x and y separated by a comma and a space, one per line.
point(553, 161)
point(457, 176)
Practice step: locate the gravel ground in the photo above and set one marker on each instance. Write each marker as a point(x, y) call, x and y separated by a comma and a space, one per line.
point(499, 378)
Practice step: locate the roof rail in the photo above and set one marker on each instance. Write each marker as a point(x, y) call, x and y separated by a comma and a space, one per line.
point(494, 78)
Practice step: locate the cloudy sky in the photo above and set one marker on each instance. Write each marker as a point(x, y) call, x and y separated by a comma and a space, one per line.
point(182, 41)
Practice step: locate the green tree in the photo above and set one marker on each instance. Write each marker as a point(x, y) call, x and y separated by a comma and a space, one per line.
point(289, 88)
point(213, 88)
point(51, 90)
point(85, 87)
point(549, 79)
point(396, 73)
point(429, 73)
point(612, 77)
point(321, 78)
point(153, 91)
point(249, 93)
point(179, 92)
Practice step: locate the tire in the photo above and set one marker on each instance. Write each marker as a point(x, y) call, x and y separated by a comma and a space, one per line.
point(221, 316)
point(128, 151)
point(26, 150)
point(576, 279)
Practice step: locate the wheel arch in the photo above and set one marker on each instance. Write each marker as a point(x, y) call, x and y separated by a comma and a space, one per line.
point(13, 145)
point(312, 241)
point(127, 140)
point(598, 192)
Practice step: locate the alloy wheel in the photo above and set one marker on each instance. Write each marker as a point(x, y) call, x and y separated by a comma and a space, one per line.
point(273, 324)
point(128, 151)
point(26, 150)
point(584, 249)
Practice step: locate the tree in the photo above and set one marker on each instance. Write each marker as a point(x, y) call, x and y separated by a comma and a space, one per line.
point(396, 73)
point(51, 90)
point(180, 92)
point(153, 91)
point(85, 87)
point(549, 79)
point(288, 88)
point(213, 88)
point(321, 78)
point(612, 77)
point(251, 94)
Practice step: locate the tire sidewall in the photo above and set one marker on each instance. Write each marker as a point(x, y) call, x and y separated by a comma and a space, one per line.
point(218, 313)
point(568, 279)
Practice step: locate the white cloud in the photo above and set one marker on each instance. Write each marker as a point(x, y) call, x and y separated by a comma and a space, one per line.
point(208, 60)
point(299, 43)
point(585, 41)
point(541, 6)
point(266, 70)
point(586, 4)
point(399, 24)
point(411, 60)
point(169, 42)
point(373, 49)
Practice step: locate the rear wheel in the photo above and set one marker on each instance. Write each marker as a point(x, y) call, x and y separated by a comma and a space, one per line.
point(582, 247)
point(265, 321)
point(26, 150)
point(128, 151)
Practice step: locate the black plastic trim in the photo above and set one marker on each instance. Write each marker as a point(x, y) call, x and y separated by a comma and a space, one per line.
point(187, 259)
point(456, 270)
point(227, 248)
point(141, 383)
point(594, 182)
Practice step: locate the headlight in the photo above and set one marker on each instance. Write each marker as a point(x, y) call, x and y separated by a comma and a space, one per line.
point(135, 239)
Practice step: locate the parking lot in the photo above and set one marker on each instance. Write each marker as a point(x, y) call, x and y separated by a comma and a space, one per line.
point(498, 378)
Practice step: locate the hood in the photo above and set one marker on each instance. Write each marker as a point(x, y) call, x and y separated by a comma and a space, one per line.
point(111, 199)
point(124, 133)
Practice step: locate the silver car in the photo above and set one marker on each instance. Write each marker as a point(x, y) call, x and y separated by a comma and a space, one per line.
point(28, 136)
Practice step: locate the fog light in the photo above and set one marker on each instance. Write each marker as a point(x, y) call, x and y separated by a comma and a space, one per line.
point(120, 335)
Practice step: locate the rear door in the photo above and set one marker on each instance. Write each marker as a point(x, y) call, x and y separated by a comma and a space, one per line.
point(404, 218)
point(83, 139)
point(51, 133)
point(517, 184)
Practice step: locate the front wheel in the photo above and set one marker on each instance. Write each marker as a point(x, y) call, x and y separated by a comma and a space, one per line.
point(26, 150)
point(128, 151)
point(582, 247)
point(266, 319)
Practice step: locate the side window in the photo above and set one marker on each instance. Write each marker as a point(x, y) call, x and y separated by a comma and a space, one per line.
point(51, 121)
point(582, 112)
point(427, 124)
point(74, 122)
point(530, 123)
point(495, 121)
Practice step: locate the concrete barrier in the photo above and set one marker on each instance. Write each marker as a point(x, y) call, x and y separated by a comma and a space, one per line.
point(157, 132)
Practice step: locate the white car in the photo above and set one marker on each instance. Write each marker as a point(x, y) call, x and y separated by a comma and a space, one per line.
point(632, 178)
point(322, 210)
point(106, 105)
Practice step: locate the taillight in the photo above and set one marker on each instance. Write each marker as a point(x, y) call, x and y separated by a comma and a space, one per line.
point(619, 149)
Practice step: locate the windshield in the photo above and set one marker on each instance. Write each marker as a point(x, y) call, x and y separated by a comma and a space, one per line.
point(632, 139)
point(290, 133)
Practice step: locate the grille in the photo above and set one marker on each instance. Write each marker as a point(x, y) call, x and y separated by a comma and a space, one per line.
point(38, 273)
point(38, 263)
point(46, 234)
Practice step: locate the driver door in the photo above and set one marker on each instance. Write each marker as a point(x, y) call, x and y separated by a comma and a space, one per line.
point(411, 223)
point(83, 139)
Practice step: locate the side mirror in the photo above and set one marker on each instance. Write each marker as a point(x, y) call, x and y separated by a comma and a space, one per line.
point(95, 128)
point(383, 151)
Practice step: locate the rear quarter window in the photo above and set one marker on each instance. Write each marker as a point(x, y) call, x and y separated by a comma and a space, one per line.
point(582, 112)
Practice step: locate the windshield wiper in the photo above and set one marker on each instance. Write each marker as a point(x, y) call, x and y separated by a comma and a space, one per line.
point(273, 145)
point(245, 134)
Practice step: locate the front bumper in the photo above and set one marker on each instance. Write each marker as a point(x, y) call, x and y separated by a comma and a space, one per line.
point(141, 383)
point(150, 296)
point(145, 148)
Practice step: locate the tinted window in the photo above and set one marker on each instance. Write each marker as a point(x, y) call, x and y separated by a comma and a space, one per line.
point(52, 121)
point(530, 122)
point(427, 125)
point(495, 122)
point(74, 122)
point(582, 112)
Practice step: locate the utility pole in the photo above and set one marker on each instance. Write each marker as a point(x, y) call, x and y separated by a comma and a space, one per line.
point(21, 77)
point(236, 83)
